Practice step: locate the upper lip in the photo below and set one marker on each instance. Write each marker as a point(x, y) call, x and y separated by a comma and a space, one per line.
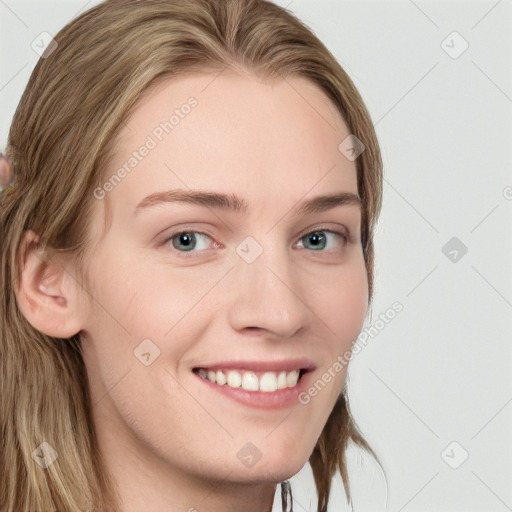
point(261, 366)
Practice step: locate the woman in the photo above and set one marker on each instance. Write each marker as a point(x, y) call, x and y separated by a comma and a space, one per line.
point(186, 256)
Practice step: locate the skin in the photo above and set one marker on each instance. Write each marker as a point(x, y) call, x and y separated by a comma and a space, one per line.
point(6, 172)
point(170, 442)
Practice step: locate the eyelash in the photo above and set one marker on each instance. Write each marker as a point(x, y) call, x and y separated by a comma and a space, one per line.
point(192, 254)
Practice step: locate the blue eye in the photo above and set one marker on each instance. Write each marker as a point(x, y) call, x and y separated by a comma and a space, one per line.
point(186, 241)
point(317, 240)
point(322, 240)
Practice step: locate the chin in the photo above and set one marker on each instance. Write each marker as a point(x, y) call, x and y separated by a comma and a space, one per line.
point(275, 470)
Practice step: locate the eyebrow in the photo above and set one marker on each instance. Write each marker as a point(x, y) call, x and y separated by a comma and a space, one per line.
point(221, 201)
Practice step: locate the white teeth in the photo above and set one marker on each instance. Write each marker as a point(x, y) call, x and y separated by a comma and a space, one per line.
point(281, 381)
point(234, 379)
point(292, 378)
point(268, 382)
point(221, 378)
point(250, 381)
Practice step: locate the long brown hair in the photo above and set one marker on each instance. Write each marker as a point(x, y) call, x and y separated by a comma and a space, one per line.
point(60, 139)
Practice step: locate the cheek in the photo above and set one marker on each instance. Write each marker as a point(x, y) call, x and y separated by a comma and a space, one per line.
point(130, 294)
point(342, 308)
point(136, 301)
point(344, 305)
point(142, 325)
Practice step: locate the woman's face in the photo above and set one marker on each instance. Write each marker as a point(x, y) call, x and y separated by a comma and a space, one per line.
point(264, 288)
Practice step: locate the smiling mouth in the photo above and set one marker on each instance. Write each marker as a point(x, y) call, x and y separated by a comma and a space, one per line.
point(266, 382)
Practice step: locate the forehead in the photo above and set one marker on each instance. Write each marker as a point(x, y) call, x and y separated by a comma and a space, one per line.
point(232, 132)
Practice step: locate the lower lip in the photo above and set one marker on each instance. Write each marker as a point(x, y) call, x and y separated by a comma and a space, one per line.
point(278, 399)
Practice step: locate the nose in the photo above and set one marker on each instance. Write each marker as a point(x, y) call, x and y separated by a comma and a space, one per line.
point(267, 295)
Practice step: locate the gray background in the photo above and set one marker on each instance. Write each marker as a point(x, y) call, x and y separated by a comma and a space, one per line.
point(439, 372)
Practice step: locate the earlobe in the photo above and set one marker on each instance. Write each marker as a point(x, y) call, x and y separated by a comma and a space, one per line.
point(47, 293)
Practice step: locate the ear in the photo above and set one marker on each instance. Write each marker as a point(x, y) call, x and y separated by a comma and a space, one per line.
point(48, 294)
